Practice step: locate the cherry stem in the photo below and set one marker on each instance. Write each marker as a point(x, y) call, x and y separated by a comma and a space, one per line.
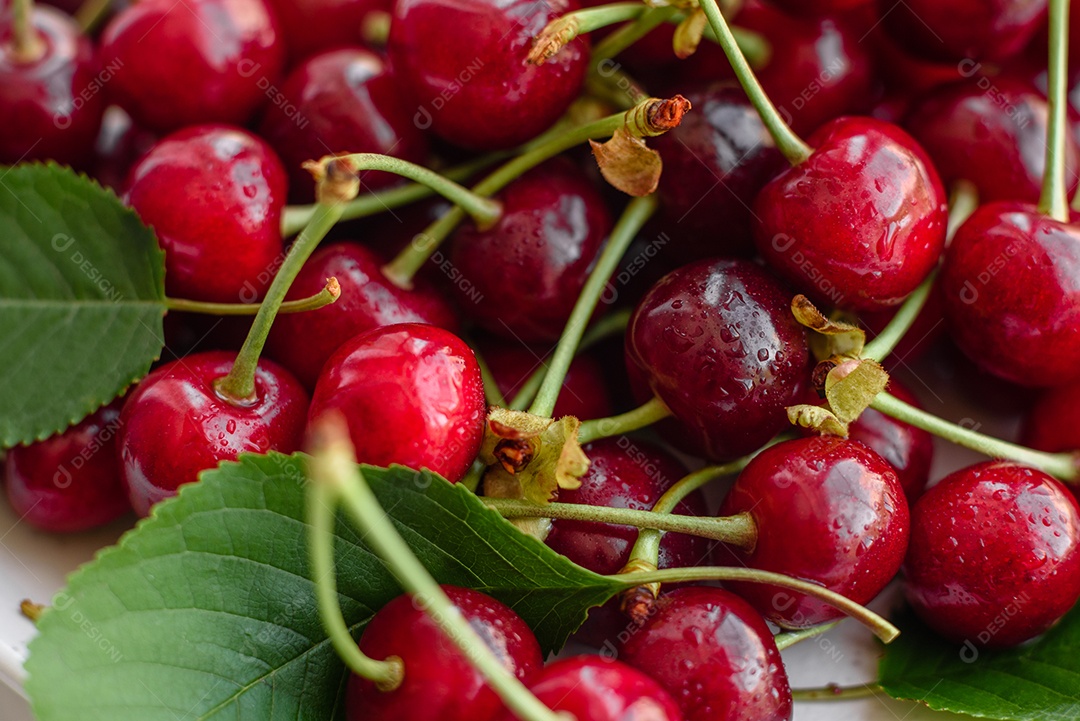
point(324, 297)
point(560, 31)
point(1064, 466)
point(629, 34)
point(790, 144)
point(833, 692)
point(31, 609)
point(643, 416)
point(881, 628)
point(91, 13)
point(27, 45)
point(333, 467)
point(634, 217)
point(1053, 200)
point(790, 638)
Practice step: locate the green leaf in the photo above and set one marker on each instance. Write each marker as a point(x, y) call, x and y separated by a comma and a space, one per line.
point(1037, 682)
point(205, 610)
point(81, 300)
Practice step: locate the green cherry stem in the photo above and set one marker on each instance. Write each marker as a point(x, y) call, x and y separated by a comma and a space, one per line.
point(645, 415)
point(333, 465)
point(91, 13)
point(27, 45)
point(1053, 200)
point(629, 34)
point(560, 31)
point(832, 692)
point(790, 144)
point(1064, 466)
point(790, 638)
point(637, 212)
point(324, 297)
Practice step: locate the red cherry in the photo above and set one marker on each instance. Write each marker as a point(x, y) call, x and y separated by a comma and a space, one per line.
point(584, 391)
point(1012, 295)
point(827, 510)
point(1053, 423)
point(717, 342)
point(214, 195)
point(52, 106)
point(213, 62)
point(861, 222)
point(175, 424)
point(963, 29)
point(302, 342)
point(995, 554)
point(69, 482)
point(473, 84)
point(312, 26)
point(821, 7)
point(439, 683)
point(411, 394)
point(119, 146)
point(714, 654)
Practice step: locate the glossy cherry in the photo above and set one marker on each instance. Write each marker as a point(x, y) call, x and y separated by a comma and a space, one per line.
point(584, 391)
point(593, 688)
point(70, 481)
point(472, 85)
point(995, 554)
point(716, 341)
point(203, 62)
point(1053, 422)
point(302, 342)
point(521, 278)
point(963, 29)
point(120, 145)
point(439, 684)
point(714, 654)
point(1011, 283)
point(859, 223)
point(827, 510)
point(341, 101)
point(997, 140)
point(214, 195)
point(175, 424)
point(313, 26)
point(411, 394)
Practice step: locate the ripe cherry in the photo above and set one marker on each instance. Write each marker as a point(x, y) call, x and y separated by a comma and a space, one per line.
point(175, 424)
point(827, 510)
point(119, 146)
point(411, 394)
point(214, 195)
point(592, 688)
point(473, 85)
point(714, 654)
point(995, 554)
point(584, 393)
point(1053, 422)
point(312, 26)
point(439, 683)
point(717, 342)
point(212, 61)
point(821, 7)
point(963, 29)
point(302, 342)
point(70, 481)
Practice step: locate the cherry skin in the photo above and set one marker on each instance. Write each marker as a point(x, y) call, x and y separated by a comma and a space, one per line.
point(963, 29)
point(213, 62)
point(861, 222)
point(997, 141)
point(70, 481)
point(827, 510)
point(120, 145)
point(716, 341)
point(593, 688)
point(175, 424)
point(341, 101)
point(1053, 423)
point(714, 654)
point(302, 342)
point(820, 7)
point(1011, 283)
point(439, 684)
point(411, 394)
point(46, 116)
point(214, 195)
point(584, 391)
point(473, 86)
point(312, 26)
point(521, 278)
point(995, 554)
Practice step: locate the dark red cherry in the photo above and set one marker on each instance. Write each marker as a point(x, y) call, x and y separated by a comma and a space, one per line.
point(313, 26)
point(341, 101)
point(995, 554)
point(464, 64)
point(584, 391)
point(593, 688)
point(861, 222)
point(821, 7)
point(714, 654)
point(963, 29)
point(827, 510)
point(439, 683)
point(717, 342)
point(302, 342)
point(411, 394)
point(214, 195)
point(521, 278)
point(51, 105)
point(1011, 282)
point(996, 140)
point(70, 481)
point(217, 61)
point(120, 145)
point(1053, 422)
point(175, 424)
